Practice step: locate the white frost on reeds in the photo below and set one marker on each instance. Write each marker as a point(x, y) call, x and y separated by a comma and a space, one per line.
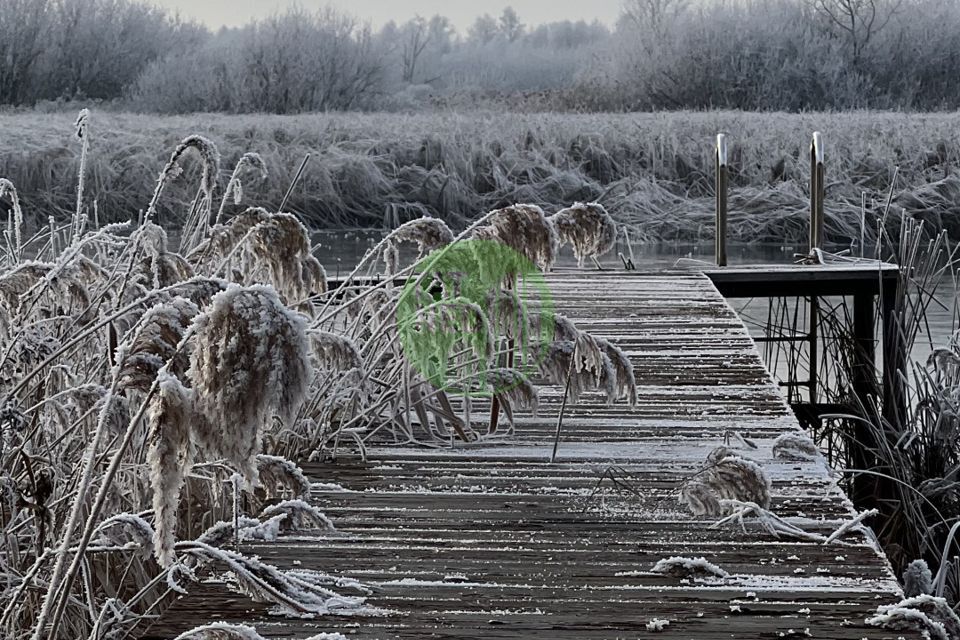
point(683, 567)
point(125, 530)
point(169, 458)
point(249, 161)
point(335, 351)
point(300, 516)
point(624, 380)
point(390, 258)
point(427, 233)
point(223, 238)
point(199, 290)
point(159, 267)
point(210, 158)
point(15, 219)
point(926, 614)
point(266, 583)
point(223, 532)
point(513, 388)
point(275, 249)
point(221, 631)
point(555, 361)
point(250, 360)
point(587, 227)
point(154, 343)
point(277, 474)
point(280, 244)
point(61, 284)
point(917, 579)
point(726, 476)
point(525, 229)
point(795, 446)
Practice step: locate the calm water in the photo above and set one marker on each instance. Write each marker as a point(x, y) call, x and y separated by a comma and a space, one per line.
point(340, 252)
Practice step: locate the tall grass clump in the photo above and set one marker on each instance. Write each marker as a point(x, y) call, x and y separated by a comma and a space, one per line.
point(652, 172)
point(155, 398)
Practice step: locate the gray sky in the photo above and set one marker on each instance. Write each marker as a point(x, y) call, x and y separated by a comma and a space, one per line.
point(217, 13)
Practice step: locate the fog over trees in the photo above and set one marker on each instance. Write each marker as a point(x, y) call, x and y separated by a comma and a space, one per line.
point(662, 54)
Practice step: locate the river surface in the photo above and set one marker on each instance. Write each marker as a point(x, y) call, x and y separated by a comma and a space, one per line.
point(340, 251)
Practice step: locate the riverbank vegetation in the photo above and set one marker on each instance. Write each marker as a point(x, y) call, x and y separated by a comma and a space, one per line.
point(652, 172)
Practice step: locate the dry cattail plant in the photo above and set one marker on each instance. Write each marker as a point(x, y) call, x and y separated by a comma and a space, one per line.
point(250, 161)
point(525, 229)
point(555, 361)
point(250, 361)
point(514, 390)
point(430, 334)
point(210, 158)
point(159, 267)
point(154, 344)
point(277, 476)
point(281, 245)
point(625, 383)
point(169, 458)
point(587, 227)
point(795, 446)
point(508, 314)
point(726, 476)
point(222, 239)
point(335, 351)
point(427, 233)
point(917, 579)
point(547, 327)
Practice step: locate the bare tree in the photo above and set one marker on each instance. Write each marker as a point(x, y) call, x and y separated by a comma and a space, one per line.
point(857, 21)
point(23, 24)
point(416, 37)
point(483, 30)
point(651, 19)
point(510, 25)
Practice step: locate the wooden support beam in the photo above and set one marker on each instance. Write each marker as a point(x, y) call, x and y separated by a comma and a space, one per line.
point(894, 354)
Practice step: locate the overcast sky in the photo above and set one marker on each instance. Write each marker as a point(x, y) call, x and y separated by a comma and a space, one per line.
point(217, 13)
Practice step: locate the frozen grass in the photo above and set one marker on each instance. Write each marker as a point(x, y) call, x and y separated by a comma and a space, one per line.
point(653, 172)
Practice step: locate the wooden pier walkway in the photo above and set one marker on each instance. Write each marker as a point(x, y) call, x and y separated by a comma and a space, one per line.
point(493, 541)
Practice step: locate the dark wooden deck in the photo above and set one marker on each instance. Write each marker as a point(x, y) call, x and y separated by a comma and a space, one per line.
point(493, 541)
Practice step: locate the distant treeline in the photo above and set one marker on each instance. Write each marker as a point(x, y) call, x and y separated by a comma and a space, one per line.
point(662, 54)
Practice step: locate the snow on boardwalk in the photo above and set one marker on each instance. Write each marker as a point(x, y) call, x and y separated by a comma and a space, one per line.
point(492, 541)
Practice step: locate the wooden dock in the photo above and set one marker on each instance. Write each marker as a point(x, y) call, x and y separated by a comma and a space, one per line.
point(493, 541)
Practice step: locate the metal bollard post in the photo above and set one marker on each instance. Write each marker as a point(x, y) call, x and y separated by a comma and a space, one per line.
point(816, 191)
point(720, 241)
